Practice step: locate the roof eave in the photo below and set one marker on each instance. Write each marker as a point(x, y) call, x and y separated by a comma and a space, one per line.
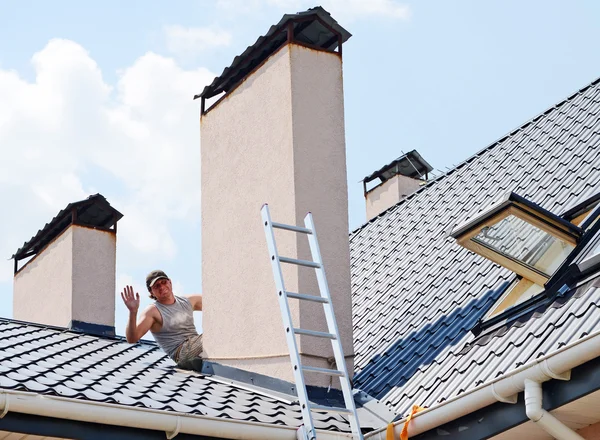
point(505, 388)
point(142, 418)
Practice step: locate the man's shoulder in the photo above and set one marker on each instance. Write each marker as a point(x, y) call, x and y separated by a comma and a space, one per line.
point(151, 310)
point(185, 299)
point(194, 301)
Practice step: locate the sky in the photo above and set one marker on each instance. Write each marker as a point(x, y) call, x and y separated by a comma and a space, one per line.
point(96, 97)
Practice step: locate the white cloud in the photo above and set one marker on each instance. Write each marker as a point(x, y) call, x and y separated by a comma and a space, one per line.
point(189, 41)
point(344, 11)
point(68, 134)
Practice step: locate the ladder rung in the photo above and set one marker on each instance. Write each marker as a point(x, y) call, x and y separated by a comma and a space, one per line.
point(291, 228)
point(299, 262)
point(314, 298)
point(302, 331)
point(327, 371)
point(335, 409)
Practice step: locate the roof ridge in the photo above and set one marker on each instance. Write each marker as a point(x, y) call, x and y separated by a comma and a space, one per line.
point(478, 153)
point(70, 330)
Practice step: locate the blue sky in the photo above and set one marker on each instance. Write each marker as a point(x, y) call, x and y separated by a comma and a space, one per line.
point(92, 93)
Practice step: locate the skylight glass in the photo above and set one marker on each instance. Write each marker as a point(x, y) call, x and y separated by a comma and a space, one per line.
point(517, 239)
point(520, 236)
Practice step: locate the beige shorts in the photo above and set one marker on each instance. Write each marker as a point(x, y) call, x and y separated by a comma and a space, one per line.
point(190, 349)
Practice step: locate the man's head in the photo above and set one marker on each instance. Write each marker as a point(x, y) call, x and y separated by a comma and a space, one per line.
point(159, 285)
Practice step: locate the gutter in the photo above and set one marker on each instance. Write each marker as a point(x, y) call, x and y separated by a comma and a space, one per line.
point(133, 417)
point(556, 365)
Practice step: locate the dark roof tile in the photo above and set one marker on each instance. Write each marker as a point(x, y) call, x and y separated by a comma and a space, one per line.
point(82, 367)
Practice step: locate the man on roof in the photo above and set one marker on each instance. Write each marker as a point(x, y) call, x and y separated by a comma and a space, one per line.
point(170, 320)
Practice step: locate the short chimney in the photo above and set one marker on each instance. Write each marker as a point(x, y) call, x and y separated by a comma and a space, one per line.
point(395, 181)
point(276, 136)
point(65, 275)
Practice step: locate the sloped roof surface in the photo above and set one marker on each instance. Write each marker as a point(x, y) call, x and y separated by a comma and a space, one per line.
point(417, 293)
point(83, 367)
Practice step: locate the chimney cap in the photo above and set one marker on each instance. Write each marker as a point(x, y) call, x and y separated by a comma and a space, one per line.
point(314, 27)
point(95, 211)
point(410, 164)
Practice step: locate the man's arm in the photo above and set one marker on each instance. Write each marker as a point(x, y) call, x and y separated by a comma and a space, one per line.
point(195, 301)
point(136, 330)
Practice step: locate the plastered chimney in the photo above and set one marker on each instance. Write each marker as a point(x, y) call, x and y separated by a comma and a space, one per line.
point(395, 181)
point(277, 137)
point(68, 279)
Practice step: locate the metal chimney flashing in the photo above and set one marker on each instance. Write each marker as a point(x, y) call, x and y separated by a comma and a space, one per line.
point(410, 164)
point(94, 212)
point(314, 28)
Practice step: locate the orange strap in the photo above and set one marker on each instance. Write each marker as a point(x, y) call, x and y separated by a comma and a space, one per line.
point(389, 433)
point(404, 433)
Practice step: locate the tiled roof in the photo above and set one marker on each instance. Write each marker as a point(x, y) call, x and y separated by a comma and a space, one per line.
point(417, 293)
point(90, 368)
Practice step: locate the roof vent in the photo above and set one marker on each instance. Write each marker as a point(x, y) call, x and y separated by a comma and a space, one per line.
point(395, 181)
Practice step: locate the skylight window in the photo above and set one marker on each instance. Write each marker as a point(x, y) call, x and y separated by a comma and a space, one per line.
point(520, 236)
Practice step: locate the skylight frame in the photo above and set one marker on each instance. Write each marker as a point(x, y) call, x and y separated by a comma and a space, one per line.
point(566, 276)
point(529, 212)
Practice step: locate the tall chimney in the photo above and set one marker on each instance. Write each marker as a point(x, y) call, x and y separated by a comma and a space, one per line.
point(276, 136)
point(69, 277)
point(394, 182)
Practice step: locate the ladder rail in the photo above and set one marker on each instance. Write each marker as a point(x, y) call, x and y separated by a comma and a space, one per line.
point(336, 344)
point(287, 322)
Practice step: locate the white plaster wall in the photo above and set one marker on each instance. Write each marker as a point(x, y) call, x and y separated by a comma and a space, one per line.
point(42, 288)
point(382, 197)
point(278, 138)
point(94, 266)
point(246, 154)
point(73, 277)
point(321, 187)
point(389, 193)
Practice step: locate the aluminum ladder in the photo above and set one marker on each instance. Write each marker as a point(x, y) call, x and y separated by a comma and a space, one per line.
point(308, 431)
